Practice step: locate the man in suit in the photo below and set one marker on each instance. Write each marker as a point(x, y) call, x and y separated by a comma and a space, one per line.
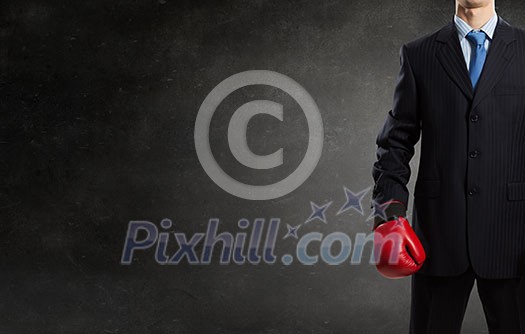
point(462, 91)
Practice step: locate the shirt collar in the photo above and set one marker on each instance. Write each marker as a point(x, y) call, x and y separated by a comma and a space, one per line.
point(463, 27)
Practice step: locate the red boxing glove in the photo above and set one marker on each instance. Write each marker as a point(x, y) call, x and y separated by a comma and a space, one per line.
point(397, 249)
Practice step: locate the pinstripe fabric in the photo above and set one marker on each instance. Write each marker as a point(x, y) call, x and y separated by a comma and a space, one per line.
point(469, 198)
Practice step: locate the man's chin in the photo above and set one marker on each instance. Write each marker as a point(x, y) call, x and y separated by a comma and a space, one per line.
point(473, 4)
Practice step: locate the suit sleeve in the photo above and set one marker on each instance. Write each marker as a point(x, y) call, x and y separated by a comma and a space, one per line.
point(395, 143)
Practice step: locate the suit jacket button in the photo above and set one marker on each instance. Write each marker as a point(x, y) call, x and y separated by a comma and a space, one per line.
point(473, 191)
point(474, 154)
point(474, 118)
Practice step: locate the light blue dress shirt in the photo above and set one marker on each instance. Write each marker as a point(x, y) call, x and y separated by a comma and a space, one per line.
point(463, 29)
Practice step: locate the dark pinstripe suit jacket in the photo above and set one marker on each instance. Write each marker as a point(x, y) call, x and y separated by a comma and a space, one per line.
point(469, 198)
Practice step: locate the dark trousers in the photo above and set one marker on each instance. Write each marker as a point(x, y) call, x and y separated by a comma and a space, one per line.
point(438, 303)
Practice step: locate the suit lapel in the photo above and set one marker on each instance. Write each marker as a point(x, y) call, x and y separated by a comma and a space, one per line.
point(498, 57)
point(451, 58)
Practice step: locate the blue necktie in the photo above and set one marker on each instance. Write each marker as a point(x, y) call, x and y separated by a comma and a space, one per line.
point(478, 56)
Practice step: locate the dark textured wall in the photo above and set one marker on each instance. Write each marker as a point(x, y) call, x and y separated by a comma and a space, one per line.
point(98, 104)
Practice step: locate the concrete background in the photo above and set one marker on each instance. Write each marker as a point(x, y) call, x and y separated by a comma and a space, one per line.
point(98, 104)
